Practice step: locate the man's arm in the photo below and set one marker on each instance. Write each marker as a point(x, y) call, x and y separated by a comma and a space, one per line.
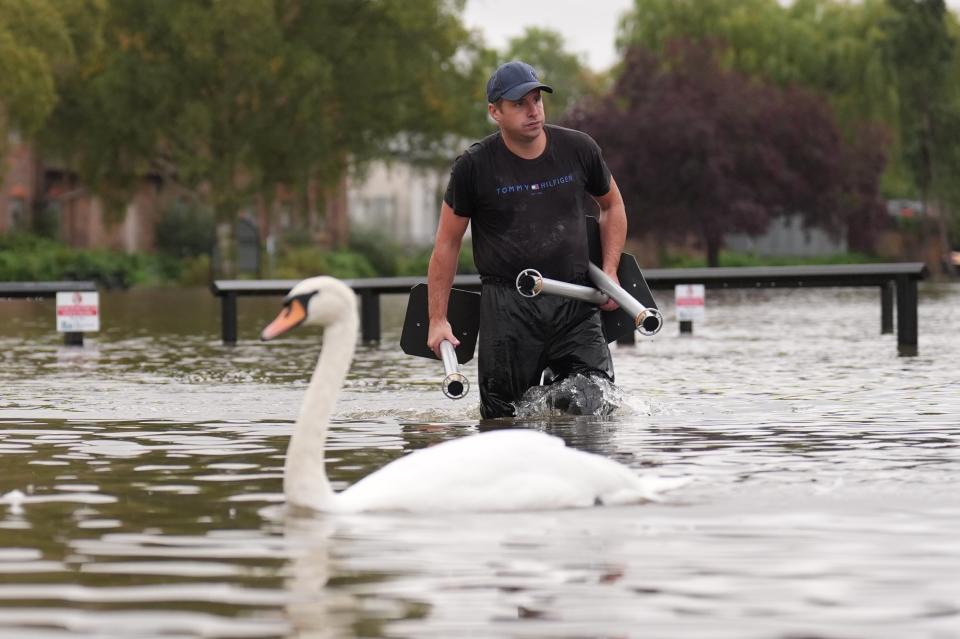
point(613, 233)
point(440, 273)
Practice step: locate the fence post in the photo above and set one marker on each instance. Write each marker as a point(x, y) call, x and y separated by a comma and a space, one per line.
point(370, 315)
point(886, 307)
point(228, 318)
point(906, 315)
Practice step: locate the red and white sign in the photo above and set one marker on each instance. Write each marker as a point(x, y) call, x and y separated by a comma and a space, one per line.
point(78, 312)
point(691, 301)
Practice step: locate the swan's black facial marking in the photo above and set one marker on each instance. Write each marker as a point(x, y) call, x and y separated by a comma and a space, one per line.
point(303, 298)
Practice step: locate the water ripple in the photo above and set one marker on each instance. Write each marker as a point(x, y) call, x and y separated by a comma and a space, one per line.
point(142, 484)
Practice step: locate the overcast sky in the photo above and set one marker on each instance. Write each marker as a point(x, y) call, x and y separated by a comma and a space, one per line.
point(588, 26)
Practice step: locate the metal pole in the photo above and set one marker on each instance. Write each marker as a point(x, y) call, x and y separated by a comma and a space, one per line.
point(455, 385)
point(530, 284)
point(647, 320)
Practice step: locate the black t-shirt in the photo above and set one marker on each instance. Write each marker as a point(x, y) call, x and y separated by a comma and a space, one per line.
point(529, 213)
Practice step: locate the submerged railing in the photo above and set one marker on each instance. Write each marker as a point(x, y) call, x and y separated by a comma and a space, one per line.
point(41, 290)
point(896, 282)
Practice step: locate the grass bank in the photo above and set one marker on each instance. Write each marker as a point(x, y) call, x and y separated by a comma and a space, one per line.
point(732, 258)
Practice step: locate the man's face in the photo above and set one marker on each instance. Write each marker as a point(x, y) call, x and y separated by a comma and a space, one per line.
point(521, 118)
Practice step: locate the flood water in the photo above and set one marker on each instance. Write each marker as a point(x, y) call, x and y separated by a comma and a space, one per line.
point(823, 496)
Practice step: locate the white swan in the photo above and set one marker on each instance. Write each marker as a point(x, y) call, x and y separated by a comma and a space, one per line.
point(501, 470)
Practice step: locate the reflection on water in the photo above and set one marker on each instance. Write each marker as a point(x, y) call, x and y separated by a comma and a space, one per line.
point(142, 482)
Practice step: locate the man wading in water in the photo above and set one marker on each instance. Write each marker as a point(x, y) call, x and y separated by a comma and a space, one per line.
point(525, 189)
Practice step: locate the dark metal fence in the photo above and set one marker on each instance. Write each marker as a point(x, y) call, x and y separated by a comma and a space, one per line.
point(895, 282)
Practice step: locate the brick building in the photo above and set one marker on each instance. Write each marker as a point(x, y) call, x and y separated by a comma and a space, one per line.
point(40, 195)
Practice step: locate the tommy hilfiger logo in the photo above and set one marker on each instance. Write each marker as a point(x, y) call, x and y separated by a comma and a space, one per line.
point(535, 187)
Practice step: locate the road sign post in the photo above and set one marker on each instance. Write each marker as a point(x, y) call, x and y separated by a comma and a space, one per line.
point(690, 301)
point(77, 313)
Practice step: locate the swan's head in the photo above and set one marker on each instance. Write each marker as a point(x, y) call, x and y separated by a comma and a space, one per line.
point(318, 300)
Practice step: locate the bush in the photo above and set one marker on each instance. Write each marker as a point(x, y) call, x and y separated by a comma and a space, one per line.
point(300, 262)
point(350, 264)
point(194, 271)
point(466, 265)
point(30, 258)
point(185, 230)
point(382, 253)
point(390, 258)
point(414, 264)
point(731, 258)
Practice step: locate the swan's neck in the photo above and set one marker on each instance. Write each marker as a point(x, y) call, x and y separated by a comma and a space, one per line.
point(305, 478)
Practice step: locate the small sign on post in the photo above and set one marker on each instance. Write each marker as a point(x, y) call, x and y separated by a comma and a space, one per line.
point(690, 300)
point(77, 313)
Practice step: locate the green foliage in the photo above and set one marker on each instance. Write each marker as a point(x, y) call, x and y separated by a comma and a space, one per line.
point(889, 61)
point(46, 221)
point(370, 254)
point(415, 264)
point(565, 72)
point(383, 253)
point(389, 258)
point(245, 95)
point(925, 57)
point(700, 149)
point(465, 264)
point(185, 230)
point(831, 46)
point(733, 258)
point(35, 44)
point(349, 264)
point(300, 262)
point(31, 258)
point(194, 271)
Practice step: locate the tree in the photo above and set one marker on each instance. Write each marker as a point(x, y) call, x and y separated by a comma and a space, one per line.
point(233, 97)
point(699, 149)
point(891, 63)
point(41, 42)
point(566, 72)
point(924, 52)
point(758, 36)
point(33, 41)
point(833, 47)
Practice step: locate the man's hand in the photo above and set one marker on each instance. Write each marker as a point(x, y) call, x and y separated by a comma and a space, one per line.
point(440, 330)
point(611, 304)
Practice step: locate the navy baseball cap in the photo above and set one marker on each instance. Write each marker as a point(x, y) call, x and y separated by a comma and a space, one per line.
point(512, 81)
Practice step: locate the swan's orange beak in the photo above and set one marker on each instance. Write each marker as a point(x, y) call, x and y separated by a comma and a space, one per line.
point(291, 316)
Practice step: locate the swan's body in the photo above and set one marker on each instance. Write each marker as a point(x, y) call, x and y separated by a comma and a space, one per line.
point(495, 471)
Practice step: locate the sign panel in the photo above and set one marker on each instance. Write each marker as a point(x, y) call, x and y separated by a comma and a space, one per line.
point(690, 301)
point(78, 312)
